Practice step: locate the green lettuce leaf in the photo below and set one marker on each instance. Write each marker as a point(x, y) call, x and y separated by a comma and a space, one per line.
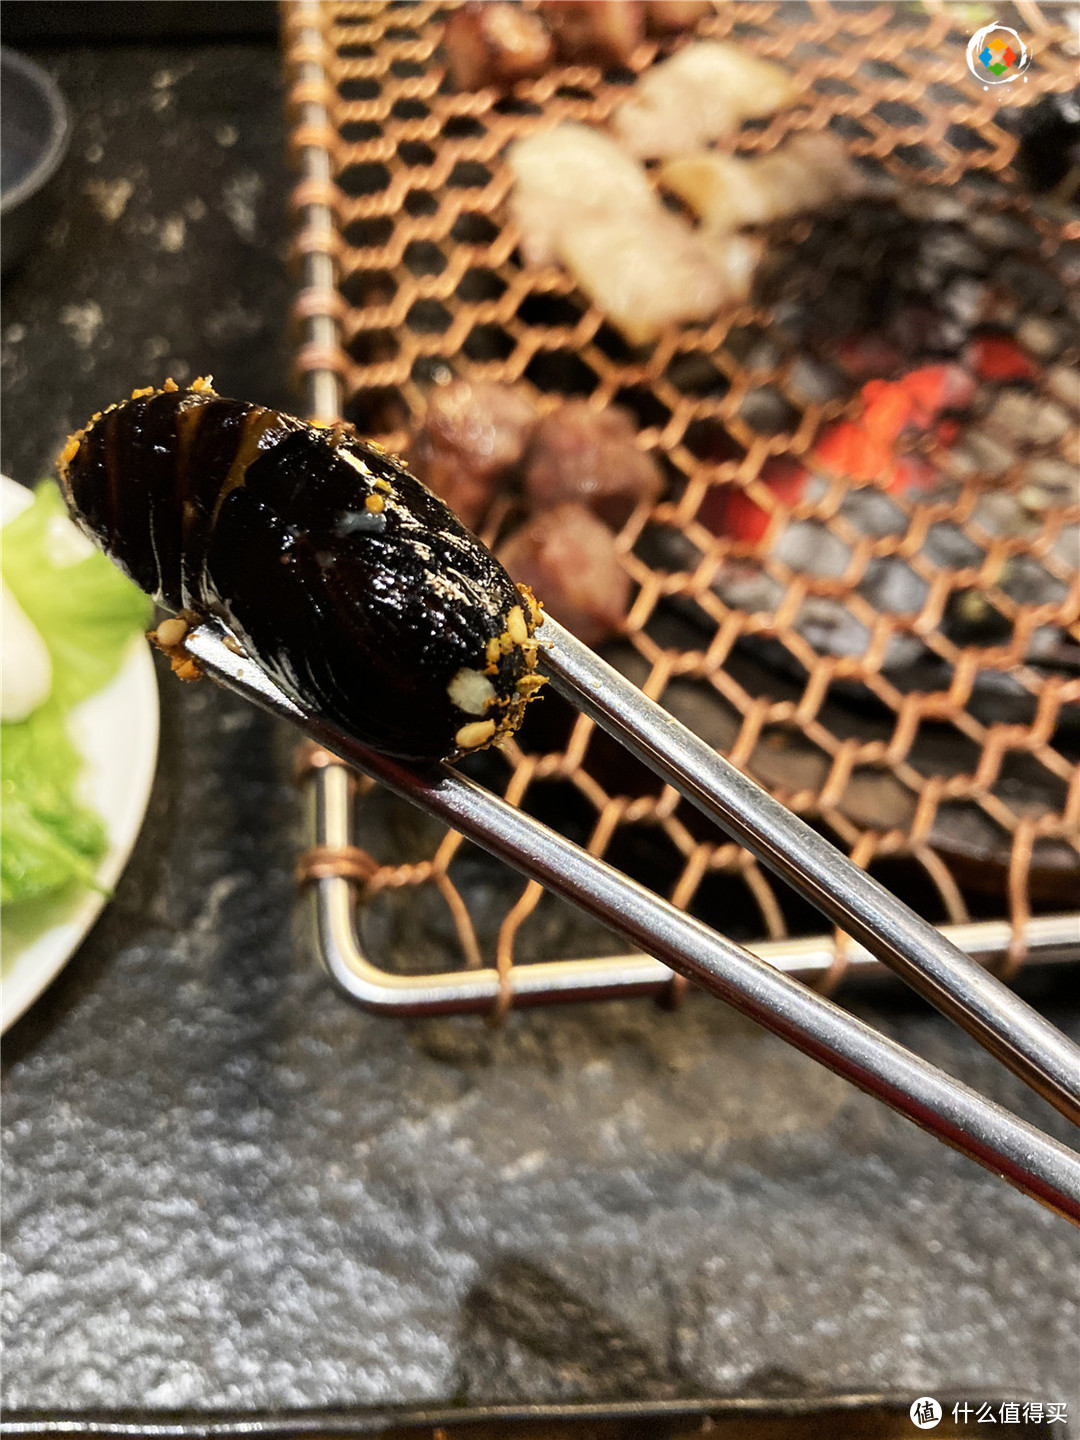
point(86, 611)
point(47, 838)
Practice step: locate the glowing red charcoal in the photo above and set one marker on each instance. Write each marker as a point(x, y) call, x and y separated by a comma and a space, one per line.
point(734, 513)
point(995, 357)
point(862, 449)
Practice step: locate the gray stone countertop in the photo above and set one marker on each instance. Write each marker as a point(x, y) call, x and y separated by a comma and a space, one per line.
point(225, 1188)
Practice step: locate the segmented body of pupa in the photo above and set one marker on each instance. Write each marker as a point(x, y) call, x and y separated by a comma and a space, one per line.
point(358, 591)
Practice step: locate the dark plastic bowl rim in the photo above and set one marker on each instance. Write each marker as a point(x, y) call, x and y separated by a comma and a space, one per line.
point(49, 160)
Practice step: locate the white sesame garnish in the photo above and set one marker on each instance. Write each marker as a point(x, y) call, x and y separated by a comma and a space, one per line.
point(471, 691)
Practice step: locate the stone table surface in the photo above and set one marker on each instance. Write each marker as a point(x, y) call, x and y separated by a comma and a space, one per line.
point(224, 1188)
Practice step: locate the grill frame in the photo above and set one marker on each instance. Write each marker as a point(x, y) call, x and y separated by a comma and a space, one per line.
point(328, 324)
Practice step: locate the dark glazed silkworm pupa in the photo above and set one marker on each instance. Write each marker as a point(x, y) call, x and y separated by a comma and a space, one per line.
point(351, 585)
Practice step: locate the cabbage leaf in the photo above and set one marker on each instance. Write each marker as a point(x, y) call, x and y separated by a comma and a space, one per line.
point(86, 611)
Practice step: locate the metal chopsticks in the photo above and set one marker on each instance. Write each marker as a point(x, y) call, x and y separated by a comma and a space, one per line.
point(1028, 1044)
point(961, 1117)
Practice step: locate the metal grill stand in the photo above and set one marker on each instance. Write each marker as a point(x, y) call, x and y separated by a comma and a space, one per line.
point(400, 209)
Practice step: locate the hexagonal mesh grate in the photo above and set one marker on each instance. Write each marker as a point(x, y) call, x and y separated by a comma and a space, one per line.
point(897, 663)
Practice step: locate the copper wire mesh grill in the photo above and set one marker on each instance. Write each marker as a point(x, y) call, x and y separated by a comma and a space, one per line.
point(954, 787)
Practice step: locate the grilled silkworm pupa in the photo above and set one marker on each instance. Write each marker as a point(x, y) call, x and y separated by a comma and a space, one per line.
point(353, 587)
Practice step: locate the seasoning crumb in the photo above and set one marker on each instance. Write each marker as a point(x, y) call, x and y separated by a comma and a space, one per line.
point(374, 504)
point(471, 691)
point(536, 610)
point(475, 734)
point(169, 639)
point(170, 633)
point(516, 627)
point(187, 668)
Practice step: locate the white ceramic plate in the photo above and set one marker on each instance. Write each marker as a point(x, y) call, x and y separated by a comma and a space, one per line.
point(117, 732)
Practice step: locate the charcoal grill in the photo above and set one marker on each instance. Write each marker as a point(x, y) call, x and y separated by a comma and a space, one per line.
point(961, 795)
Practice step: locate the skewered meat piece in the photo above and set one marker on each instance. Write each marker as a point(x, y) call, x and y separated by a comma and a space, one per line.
point(494, 43)
point(669, 16)
point(590, 456)
point(809, 173)
point(657, 271)
point(356, 590)
point(702, 92)
point(572, 555)
point(474, 435)
point(595, 32)
point(579, 198)
point(487, 42)
point(559, 173)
